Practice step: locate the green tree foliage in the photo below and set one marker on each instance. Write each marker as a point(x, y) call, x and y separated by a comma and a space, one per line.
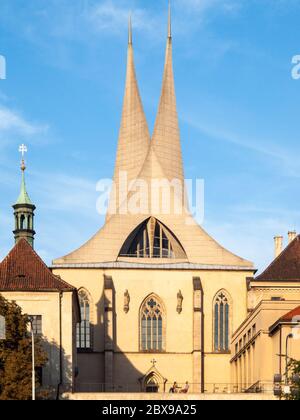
point(295, 383)
point(15, 354)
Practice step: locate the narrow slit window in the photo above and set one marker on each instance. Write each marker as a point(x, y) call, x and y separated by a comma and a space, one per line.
point(221, 323)
point(83, 330)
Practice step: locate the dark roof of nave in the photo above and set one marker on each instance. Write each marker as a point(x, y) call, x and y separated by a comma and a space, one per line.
point(286, 267)
point(24, 270)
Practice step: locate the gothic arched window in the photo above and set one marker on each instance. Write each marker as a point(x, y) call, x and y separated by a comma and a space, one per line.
point(222, 322)
point(152, 325)
point(83, 333)
point(152, 239)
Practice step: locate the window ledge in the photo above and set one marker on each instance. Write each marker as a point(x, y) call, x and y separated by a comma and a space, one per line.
point(85, 351)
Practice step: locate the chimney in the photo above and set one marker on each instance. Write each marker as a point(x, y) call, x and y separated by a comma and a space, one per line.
point(278, 245)
point(292, 235)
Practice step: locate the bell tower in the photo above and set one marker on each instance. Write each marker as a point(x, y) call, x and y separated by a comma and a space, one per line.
point(24, 209)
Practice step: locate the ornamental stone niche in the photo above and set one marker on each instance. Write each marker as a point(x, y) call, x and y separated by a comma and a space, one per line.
point(126, 301)
point(179, 302)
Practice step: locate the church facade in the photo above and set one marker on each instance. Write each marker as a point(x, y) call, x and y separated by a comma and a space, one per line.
point(160, 298)
point(151, 299)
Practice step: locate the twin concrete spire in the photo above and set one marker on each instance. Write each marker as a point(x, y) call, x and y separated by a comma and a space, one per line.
point(134, 136)
point(136, 152)
point(166, 136)
point(144, 160)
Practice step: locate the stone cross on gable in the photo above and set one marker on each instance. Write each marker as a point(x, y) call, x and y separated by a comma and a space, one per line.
point(153, 361)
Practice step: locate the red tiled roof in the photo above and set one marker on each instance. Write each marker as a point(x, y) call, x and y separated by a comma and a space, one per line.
point(291, 315)
point(24, 270)
point(286, 267)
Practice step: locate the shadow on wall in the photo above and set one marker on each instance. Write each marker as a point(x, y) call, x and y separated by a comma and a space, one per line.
point(103, 371)
point(57, 375)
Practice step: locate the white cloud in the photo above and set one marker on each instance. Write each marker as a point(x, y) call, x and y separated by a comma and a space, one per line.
point(201, 6)
point(250, 235)
point(15, 128)
point(110, 17)
point(65, 193)
point(85, 20)
point(3, 97)
point(61, 199)
point(286, 160)
point(13, 121)
point(66, 213)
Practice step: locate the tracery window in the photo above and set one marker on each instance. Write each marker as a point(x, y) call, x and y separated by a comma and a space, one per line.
point(152, 325)
point(83, 332)
point(152, 239)
point(221, 322)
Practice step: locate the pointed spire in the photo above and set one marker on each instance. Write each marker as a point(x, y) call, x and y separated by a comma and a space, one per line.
point(166, 136)
point(130, 30)
point(170, 21)
point(24, 209)
point(23, 197)
point(134, 136)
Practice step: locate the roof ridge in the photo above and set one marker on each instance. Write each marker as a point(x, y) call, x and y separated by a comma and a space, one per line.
point(58, 278)
point(290, 314)
point(39, 276)
point(278, 258)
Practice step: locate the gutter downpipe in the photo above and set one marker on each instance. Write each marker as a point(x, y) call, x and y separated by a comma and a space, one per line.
point(60, 347)
point(202, 342)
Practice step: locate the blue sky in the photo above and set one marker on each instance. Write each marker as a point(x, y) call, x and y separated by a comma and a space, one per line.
point(237, 102)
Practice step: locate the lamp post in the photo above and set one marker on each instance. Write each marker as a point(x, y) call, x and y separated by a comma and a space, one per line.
point(33, 359)
point(2, 328)
point(287, 359)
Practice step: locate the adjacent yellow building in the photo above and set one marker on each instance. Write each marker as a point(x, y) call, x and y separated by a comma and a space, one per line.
point(54, 308)
point(269, 338)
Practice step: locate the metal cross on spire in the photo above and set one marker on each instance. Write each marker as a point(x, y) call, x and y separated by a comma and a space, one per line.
point(23, 149)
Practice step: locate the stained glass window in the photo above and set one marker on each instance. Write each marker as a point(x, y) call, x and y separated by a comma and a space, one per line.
point(152, 239)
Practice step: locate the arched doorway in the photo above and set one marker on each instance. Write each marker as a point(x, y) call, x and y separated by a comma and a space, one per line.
point(151, 385)
point(153, 381)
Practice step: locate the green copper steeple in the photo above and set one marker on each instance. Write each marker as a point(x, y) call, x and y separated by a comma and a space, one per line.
point(23, 197)
point(24, 209)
